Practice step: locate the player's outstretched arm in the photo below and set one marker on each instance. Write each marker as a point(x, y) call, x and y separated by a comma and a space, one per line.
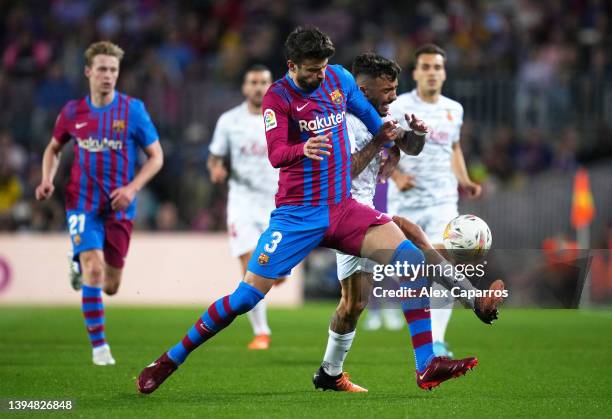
point(121, 198)
point(363, 157)
point(412, 142)
point(217, 169)
point(50, 163)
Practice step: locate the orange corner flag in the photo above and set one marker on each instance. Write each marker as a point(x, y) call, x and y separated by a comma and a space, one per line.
point(583, 207)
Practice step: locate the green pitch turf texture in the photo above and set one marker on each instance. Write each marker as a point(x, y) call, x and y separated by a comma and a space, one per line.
point(533, 363)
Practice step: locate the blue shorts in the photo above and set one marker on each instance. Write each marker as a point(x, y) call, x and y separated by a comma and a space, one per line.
point(90, 230)
point(295, 230)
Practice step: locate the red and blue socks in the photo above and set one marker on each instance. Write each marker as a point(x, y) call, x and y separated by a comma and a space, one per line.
point(416, 309)
point(419, 323)
point(218, 316)
point(93, 311)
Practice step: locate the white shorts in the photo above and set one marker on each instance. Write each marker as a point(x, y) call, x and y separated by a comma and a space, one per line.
point(245, 225)
point(347, 265)
point(432, 220)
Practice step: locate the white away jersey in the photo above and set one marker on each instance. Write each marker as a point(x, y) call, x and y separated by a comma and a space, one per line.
point(435, 182)
point(363, 186)
point(241, 134)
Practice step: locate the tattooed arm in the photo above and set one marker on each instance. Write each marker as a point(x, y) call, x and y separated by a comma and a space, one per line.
point(363, 157)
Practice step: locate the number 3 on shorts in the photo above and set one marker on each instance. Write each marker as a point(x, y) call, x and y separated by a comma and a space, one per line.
point(276, 238)
point(76, 224)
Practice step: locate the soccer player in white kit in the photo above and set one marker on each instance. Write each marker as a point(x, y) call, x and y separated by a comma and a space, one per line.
point(424, 187)
point(377, 77)
point(240, 135)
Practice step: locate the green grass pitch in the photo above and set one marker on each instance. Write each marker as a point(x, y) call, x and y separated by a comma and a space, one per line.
point(533, 363)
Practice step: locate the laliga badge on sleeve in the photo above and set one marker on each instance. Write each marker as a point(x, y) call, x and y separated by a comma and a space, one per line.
point(269, 119)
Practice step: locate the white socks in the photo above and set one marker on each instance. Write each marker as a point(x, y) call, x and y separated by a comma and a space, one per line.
point(336, 351)
point(259, 320)
point(439, 320)
point(440, 314)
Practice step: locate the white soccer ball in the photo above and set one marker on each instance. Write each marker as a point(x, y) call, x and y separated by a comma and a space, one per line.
point(467, 238)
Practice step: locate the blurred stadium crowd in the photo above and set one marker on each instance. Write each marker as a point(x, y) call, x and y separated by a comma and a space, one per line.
point(531, 76)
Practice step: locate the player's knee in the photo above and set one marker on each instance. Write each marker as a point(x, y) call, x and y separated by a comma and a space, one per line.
point(111, 288)
point(93, 272)
point(244, 298)
point(94, 276)
point(112, 280)
point(91, 260)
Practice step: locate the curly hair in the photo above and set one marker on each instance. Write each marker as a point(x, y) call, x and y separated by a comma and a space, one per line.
point(373, 65)
point(309, 42)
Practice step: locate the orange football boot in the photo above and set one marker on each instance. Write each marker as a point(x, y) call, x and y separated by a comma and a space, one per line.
point(260, 342)
point(340, 382)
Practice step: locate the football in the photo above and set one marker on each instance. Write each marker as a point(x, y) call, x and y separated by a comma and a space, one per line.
point(467, 238)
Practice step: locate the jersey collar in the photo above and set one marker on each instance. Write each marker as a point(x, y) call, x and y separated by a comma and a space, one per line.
point(421, 101)
point(103, 108)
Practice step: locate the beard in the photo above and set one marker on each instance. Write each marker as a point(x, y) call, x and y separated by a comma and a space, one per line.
point(312, 85)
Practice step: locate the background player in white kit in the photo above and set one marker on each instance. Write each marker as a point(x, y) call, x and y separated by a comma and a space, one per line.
point(253, 182)
point(424, 187)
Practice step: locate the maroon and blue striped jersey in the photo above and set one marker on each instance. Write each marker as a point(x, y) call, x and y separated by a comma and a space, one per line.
point(106, 142)
point(292, 116)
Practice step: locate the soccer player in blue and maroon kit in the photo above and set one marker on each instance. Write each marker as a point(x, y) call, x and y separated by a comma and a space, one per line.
point(108, 128)
point(304, 117)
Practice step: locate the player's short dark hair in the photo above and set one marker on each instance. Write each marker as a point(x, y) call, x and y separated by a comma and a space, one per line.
point(429, 49)
point(255, 68)
point(308, 43)
point(373, 65)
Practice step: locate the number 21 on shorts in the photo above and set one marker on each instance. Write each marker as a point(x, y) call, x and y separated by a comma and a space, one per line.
point(276, 238)
point(76, 224)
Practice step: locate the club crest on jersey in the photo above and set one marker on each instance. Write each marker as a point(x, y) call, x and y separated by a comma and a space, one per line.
point(336, 97)
point(118, 125)
point(263, 259)
point(269, 119)
point(449, 115)
point(77, 239)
